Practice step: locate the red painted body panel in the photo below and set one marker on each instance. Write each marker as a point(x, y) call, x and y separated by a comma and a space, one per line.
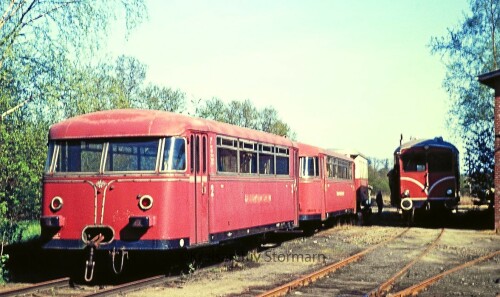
point(311, 197)
point(168, 212)
point(241, 203)
point(340, 196)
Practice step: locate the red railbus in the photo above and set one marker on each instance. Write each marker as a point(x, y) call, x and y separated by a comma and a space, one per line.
point(125, 180)
point(326, 185)
point(360, 177)
point(425, 176)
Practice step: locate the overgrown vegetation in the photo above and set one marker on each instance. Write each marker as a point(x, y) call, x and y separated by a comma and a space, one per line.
point(49, 72)
point(377, 176)
point(468, 50)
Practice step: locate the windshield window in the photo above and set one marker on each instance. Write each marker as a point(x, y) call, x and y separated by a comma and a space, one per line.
point(440, 162)
point(85, 156)
point(78, 156)
point(413, 162)
point(132, 155)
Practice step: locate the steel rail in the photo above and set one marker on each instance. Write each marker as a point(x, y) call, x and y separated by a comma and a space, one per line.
point(386, 286)
point(312, 277)
point(413, 290)
point(131, 286)
point(36, 287)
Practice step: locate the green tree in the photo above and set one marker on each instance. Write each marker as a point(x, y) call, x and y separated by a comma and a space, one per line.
point(244, 114)
point(43, 45)
point(37, 37)
point(130, 74)
point(479, 163)
point(212, 109)
point(161, 98)
point(377, 175)
point(468, 50)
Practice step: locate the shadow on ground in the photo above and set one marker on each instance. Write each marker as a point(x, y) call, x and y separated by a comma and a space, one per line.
point(28, 262)
point(472, 218)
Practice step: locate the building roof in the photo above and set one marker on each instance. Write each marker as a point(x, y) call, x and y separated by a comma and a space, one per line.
point(491, 79)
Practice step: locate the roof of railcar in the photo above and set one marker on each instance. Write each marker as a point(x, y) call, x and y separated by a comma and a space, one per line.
point(306, 150)
point(436, 142)
point(147, 123)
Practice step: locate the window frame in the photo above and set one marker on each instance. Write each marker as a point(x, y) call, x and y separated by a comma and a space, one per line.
point(104, 154)
point(260, 149)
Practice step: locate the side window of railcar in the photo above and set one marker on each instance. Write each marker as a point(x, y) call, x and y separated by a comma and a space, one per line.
point(331, 167)
point(309, 167)
point(174, 154)
point(227, 155)
point(248, 157)
point(282, 161)
point(78, 156)
point(132, 155)
point(266, 159)
point(344, 169)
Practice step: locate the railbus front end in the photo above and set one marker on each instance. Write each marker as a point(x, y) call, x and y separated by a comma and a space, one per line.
point(140, 180)
point(425, 177)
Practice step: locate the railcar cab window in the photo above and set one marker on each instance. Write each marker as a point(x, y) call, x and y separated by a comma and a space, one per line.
point(132, 155)
point(89, 156)
point(174, 154)
point(246, 157)
point(309, 167)
point(413, 161)
point(440, 161)
point(78, 156)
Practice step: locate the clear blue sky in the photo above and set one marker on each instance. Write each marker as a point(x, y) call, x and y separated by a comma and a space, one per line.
point(342, 74)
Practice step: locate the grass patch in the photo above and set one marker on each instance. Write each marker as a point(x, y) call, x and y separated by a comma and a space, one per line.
point(24, 231)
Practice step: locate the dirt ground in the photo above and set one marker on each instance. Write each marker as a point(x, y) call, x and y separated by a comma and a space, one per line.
point(254, 273)
point(282, 258)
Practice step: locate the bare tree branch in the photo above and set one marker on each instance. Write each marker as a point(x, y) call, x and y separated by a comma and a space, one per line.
point(5, 114)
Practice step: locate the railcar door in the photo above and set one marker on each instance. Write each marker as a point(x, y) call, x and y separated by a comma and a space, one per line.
point(199, 171)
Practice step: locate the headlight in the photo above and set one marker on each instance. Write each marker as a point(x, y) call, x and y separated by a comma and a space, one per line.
point(406, 193)
point(145, 202)
point(449, 192)
point(406, 204)
point(56, 203)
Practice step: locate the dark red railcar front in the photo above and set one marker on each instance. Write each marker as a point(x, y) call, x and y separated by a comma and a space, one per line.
point(425, 176)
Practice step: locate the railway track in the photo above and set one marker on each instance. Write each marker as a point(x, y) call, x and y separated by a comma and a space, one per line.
point(312, 277)
point(31, 289)
point(407, 248)
point(413, 290)
point(320, 283)
point(54, 287)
